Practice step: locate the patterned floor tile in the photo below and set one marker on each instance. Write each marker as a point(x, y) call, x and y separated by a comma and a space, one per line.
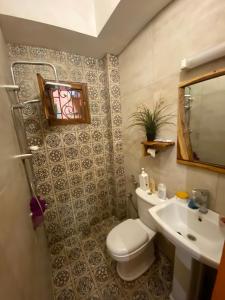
point(66, 293)
point(84, 285)
point(140, 294)
point(112, 291)
point(156, 287)
point(102, 274)
point(94, 296)
point(128, 286)
point(72, 241)
point(95, 258)
point(61, 278)
point(84, 270)
point(79, 268)
point(57, 248)
point(59, 261)
point(89, 245)
point(73, 253)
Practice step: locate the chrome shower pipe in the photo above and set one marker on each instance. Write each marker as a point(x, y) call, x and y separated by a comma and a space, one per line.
point(58, 84)
point(21, 146)
point(32, 63)
point(37, 63)
point(13, 107)
point(23, 156)
point(22, 104)
point(31, 101)
point(10, 87)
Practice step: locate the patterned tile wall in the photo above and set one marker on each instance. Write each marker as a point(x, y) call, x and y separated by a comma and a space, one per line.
point(113, 79)
point(78, 168)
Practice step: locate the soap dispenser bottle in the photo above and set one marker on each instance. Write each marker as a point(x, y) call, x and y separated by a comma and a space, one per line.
point(193, 201)
point(144, 180)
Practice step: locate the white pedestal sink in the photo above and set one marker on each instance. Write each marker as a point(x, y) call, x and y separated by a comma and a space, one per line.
point(196, 236)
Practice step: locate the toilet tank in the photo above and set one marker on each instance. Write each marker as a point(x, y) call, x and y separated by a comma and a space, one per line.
point(145, 201)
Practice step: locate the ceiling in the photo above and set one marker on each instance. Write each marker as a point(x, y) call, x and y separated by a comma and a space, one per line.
point(127, 19)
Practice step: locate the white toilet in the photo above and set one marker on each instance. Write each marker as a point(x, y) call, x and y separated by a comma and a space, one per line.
point(131, 242)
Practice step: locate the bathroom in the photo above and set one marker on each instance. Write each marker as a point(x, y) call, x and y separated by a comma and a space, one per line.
point(87, 173)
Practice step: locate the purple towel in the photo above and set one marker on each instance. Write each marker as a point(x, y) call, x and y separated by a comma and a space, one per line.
point(37, 210)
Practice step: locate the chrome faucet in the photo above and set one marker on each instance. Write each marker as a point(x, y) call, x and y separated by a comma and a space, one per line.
point(201, 198)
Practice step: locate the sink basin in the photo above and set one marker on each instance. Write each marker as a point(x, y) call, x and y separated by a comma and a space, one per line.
point(201, 235)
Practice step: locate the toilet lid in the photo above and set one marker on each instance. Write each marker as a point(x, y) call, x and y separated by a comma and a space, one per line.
point(126, 237)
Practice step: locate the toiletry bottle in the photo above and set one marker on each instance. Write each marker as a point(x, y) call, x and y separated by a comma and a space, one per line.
point(162, 191)
point(144, 180)
point(152, 184)
point(182, 195)
point(192, 203)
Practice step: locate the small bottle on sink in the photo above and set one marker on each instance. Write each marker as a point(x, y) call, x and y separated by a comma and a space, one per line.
point(192, 203)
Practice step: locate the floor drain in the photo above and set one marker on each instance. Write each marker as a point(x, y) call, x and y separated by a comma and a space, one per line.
point(191, 237)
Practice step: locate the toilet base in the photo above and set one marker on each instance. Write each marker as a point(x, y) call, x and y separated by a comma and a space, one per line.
point(132, 269)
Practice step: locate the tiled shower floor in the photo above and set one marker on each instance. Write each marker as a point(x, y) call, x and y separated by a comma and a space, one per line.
point(82, 269)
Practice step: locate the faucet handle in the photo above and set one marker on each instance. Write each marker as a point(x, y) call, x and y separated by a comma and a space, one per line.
point(201, 193)
point(202, 198)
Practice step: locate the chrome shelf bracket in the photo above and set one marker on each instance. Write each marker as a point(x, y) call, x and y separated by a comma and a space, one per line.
point(10, 88)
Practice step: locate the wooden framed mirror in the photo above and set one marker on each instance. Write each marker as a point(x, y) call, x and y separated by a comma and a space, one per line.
point(201, 122)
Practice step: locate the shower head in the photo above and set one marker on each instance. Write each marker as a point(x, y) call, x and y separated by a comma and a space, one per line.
point(58, 84)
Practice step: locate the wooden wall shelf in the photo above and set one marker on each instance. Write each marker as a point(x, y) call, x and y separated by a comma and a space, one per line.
point(157, 145)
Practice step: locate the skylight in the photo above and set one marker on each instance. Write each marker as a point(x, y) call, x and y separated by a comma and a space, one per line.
point(86, 16)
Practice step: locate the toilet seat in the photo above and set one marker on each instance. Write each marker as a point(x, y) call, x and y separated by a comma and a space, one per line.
point(128, 238)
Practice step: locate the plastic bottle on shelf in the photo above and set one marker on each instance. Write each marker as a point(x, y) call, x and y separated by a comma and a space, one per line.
point(152, 185)
point(144, 180)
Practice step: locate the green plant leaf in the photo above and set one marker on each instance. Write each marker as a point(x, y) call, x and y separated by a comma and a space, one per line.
point(152, 120)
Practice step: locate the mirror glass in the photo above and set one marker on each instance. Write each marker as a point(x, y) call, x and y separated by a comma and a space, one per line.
point(201, 122)
point(204, 106)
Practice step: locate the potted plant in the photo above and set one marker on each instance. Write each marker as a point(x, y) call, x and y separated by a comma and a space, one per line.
point(152, 119)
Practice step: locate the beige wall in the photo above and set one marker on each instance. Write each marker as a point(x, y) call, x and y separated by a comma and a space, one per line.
point(23, 261)
point(150, 67)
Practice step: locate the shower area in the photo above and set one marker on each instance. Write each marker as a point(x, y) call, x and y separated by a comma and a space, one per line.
point(77, 168)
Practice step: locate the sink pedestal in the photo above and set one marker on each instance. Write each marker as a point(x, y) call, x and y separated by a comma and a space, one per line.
point(187, 277)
